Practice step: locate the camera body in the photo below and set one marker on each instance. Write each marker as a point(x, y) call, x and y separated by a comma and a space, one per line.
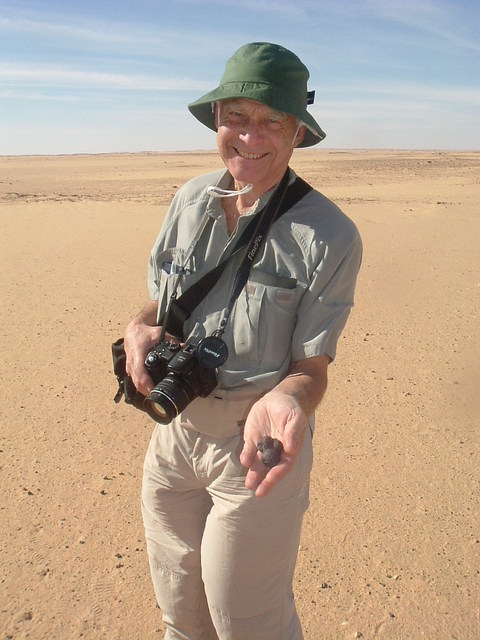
point(179, 377)
point(158, 358)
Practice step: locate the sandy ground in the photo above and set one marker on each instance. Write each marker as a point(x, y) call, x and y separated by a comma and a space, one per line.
point(390, 545)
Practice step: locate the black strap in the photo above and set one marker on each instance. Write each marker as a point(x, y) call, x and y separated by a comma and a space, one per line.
point(283, 199)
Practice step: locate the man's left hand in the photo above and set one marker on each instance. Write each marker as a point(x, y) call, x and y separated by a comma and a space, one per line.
point(280, 416)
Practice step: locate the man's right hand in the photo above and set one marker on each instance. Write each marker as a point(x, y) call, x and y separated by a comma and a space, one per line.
point(141, 335)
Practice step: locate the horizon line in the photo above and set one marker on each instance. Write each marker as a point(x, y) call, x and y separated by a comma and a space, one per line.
point(214, 151)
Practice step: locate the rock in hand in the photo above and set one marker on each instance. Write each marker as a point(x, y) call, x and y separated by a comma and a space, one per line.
point(271, 450)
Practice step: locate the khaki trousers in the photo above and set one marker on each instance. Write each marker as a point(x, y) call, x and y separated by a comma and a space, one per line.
point(222, 561)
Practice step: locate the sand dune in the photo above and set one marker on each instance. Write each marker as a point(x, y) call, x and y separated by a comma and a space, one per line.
point(391, 543)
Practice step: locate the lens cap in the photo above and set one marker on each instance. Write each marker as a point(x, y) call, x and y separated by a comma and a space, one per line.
point(212, 352)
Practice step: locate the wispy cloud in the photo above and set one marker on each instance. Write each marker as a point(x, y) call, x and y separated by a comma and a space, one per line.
point(279, 8)
point(54, 27)
point(448, 22)
point(59, 76)
point(413, 91)
point(428, 16)
point(389, 110)
point(125, 38)
point(46, 97)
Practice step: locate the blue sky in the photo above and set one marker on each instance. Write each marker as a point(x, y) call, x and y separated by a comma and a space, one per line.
point(116, 76)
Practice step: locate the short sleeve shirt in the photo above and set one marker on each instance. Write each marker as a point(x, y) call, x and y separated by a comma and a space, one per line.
point(299, 292)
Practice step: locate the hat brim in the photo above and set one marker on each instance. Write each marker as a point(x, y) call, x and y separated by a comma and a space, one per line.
point(203, 111)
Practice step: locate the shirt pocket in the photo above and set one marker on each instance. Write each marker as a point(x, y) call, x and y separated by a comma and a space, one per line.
point(171, 272)
point(264, 319)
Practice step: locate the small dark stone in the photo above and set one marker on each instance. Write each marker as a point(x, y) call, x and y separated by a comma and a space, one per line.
point(271, 450)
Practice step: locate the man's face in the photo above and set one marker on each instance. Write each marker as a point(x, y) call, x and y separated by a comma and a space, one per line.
point(255, 142)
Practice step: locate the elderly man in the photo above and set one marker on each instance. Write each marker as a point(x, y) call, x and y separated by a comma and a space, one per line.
point(222, 526)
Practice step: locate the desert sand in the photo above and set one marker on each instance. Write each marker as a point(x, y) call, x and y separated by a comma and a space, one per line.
point(390, 545)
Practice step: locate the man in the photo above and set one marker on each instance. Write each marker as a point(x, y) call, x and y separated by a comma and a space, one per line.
point(222, 559)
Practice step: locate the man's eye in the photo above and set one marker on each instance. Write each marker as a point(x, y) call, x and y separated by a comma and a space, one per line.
point(275, 124)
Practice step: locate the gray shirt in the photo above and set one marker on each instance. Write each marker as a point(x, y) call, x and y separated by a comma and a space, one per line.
point(300, 289)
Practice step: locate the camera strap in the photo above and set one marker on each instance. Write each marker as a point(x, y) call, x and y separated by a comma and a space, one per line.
point(252, 239)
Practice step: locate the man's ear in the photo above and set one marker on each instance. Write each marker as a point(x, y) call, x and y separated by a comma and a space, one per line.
point(300, 135)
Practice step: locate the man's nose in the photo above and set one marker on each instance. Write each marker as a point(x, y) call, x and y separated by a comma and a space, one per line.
point(252, 131)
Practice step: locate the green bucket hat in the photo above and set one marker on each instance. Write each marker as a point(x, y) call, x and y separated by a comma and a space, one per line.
point(267, 73)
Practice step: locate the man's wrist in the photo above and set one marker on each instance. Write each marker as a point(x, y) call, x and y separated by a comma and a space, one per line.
point(147, 316)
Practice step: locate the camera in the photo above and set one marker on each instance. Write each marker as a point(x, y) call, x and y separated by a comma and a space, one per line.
point(181, 375)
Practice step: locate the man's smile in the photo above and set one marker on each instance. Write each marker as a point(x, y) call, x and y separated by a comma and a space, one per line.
point(250, 156)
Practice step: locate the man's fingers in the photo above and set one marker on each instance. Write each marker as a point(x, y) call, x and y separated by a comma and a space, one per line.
point(142, 381)
point(271, 477)
point(256, 473)
point(260, 478)
point(249, 453)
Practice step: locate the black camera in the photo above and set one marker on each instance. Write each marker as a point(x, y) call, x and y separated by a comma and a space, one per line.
point(181, 375)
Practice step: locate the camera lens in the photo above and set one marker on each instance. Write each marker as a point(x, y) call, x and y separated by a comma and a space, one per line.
point(157, 411)
point(169, 398)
